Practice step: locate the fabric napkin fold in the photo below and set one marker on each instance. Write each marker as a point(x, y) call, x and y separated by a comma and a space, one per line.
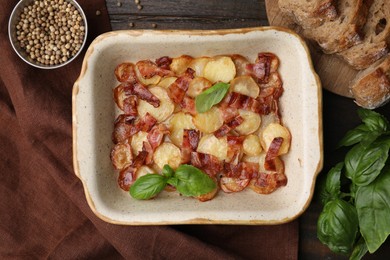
point(43, 210)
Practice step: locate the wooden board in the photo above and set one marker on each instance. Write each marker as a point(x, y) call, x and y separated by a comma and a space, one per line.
point(334, 73)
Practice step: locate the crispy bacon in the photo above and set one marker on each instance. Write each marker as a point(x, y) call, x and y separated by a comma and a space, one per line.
point(149, 69)
point(234, 148)
point(127, 176)
point(156, 135)
point(267, 183)
point(189, 145)
point(272, 153)
point(188, 105)
point(143, 124)
point(226, 127)
point(130, 105)
point(125, 72)
point(143, 93)
point(164, 62)
point(234, 101)
point(242, 170)
point(264, 65)
point(178, 88)
point(147, 147)
point(121, 132)
point(209, 163)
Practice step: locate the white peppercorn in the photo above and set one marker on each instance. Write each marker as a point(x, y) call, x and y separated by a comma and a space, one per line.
point(50, 31)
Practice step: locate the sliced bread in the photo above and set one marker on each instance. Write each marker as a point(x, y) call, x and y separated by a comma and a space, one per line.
point(309, 13)
point(343, 32)
point(371, 87)
point(376, 39)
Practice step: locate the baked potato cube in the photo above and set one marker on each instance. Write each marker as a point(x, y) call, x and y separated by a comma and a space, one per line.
point(197, 86)
point(137, 141)
point(147, 82)
point(177, 124)
point(121, 156)
point(209, 144)
point(220, 68)
point(180, 64)
point(251, 122)
point(166, 82)
point(251, 145)
point(143, 170)
point(272, 131)
point(241, 63)
point(160, 113)
point(198, 65)
point(245, 85)
point(167, 153)
point(209, 121)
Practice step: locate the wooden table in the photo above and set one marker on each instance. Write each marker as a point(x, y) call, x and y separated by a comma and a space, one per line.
point(221, 14)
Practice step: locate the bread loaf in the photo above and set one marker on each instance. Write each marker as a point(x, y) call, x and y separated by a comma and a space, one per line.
point(309, 13)
point(371, 87)
point(377, 36)
point(343, 32)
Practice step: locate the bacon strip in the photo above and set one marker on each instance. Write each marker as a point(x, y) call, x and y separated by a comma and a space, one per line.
point(209, 163)
point(234, 148)
point(130, 105)
point(177, 89)
point(262, 68)
point(189, 145)
point(156, 135)
point(127, 176)
point(143, 124)
point(143, 93)
point(226, 127)
point(272, 153)
point(242, 170)
point(164, 62)
point(149, 69)
point(188, 105)
point(268, 183)
point(125, 72)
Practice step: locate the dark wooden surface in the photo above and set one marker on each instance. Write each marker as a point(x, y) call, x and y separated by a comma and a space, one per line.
point(221, 14)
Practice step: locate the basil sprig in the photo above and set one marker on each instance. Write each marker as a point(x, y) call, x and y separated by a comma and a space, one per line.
point(210, 97)
point(356, 195)
point(188, 180)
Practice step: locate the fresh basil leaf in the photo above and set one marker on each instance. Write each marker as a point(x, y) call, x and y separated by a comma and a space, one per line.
point(363, 164)
point(193, 182)
point(373, 120)
point(373, 207)
point(331, 189)
point(337, 226)
point(167, 171)
point(148, 186)
point(354, 136)
point(210, 97)
point(359, 250)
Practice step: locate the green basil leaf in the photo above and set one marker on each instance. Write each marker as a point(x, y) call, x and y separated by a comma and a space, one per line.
point(373, 120)
point(193, 182)
point(373, 207)
point(359, 250)
point(148, 186)
point(167, 171)
point(337, 226)
point(210, 97)
point(363, 164)
point(354, 136)
point(331, 189)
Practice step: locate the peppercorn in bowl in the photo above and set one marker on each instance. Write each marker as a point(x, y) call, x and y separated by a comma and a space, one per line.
point(47, 34)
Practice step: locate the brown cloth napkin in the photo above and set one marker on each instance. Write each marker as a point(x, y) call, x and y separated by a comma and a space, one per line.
point(43, 210)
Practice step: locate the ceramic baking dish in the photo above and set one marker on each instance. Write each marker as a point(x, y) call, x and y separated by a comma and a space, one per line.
point(94, 112)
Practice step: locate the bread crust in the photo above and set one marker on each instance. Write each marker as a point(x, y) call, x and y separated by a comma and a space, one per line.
point(371, 88)
point(376, 39)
